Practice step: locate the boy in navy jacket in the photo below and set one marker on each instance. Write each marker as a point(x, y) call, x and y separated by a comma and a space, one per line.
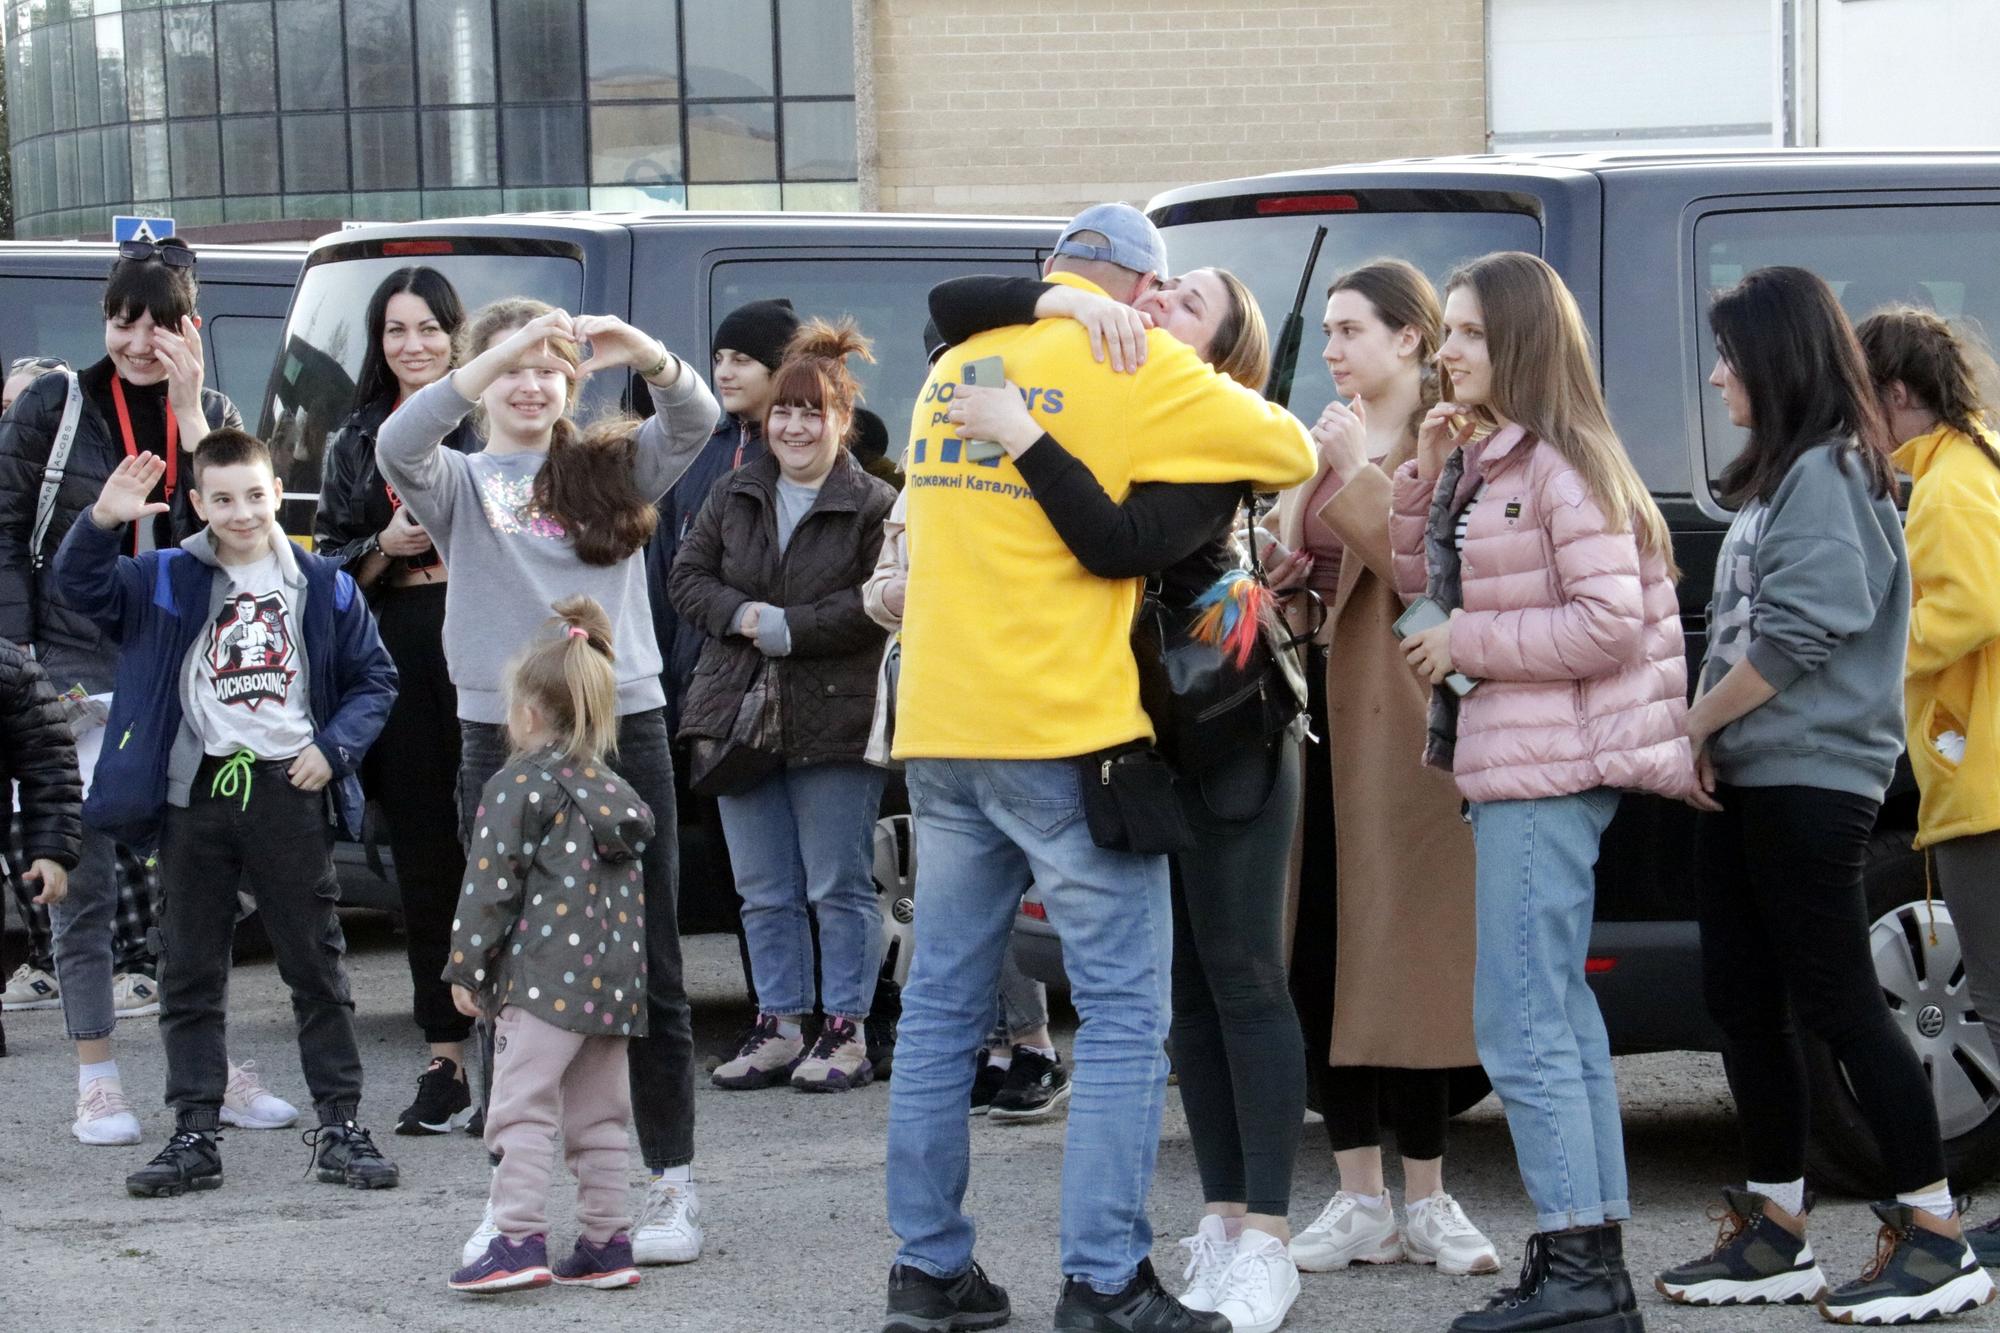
point(250, 683)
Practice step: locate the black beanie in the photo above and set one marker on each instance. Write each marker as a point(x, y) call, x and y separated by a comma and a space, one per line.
point(868, 437)
point(760, 329)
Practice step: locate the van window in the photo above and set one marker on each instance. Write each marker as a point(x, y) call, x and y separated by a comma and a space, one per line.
point(1269, 253)
point(240, 349)
point(1945, 257)
point(312, 389)
point(54, 317)
point(888, 298)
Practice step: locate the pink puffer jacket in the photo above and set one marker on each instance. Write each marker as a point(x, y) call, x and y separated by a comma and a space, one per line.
point(1576, 641)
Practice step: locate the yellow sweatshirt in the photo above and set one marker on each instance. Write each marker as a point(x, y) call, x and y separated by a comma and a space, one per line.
point(1010, 649)
point(1952, 676)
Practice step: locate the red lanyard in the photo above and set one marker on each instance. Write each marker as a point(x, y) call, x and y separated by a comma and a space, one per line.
point(132, 445)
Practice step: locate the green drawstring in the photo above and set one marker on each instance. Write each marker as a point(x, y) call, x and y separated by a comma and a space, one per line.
point(234, 777)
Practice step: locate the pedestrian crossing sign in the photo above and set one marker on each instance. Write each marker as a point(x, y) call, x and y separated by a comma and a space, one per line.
point(125, 228)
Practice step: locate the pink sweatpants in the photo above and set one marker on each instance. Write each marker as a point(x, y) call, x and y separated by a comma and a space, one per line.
point(545, 1078)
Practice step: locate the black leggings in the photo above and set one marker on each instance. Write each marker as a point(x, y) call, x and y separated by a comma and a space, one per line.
point(1784, 933)
point(1235, 1034)
point(1353, 1098)
point(412, 769)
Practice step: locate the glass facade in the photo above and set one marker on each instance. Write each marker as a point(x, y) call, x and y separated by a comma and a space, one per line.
point(385, 110)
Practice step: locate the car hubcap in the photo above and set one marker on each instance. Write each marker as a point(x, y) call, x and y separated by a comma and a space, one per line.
point(1931, 999)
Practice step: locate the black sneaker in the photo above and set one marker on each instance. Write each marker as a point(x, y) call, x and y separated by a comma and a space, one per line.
point(1916, 1275)
point(986, 1083)
point(1985, 1242)
point(1142, 1307)
point(1755, 1261)
point(1035, 1089)
point(345, 1155)
point(920, 1303)
point(443, 1101)
point(190, 1161)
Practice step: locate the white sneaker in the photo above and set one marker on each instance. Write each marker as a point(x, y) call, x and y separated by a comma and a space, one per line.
point(134, 995)
point(1436, 1231)
point(1260, 1286)
point(248, 1104)
point(1209, 1251)
point(482, 1236)
point(30, 988)
point(104, 1117)
point(1349, 1230)
point(668, 1228)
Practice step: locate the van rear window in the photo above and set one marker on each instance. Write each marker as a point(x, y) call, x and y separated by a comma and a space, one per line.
point(1267, 249)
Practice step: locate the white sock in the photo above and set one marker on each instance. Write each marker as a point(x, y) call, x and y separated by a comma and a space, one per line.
point(1938, 1203)
point(1380, 1203)
point(679, 1175)
point(85, 1074)
point(788, 1028)
point(1046, 1052)
point(1790, 1196)
point(1000, 1059)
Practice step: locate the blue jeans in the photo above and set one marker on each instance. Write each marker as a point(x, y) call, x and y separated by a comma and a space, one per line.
point(1540, 1034)
point(984, 828)
point(804, 836)
point(81, 930)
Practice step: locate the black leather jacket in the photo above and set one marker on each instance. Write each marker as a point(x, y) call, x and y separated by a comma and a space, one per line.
point(354, 503)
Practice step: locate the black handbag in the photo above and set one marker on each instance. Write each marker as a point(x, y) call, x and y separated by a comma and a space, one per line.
point(752, 751)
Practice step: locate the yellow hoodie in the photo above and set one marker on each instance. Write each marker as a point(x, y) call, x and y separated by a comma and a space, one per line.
point(1952, 678)
point(1011, 650)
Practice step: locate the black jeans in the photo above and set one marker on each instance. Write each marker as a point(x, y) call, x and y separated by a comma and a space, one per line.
point(1235, 1034)
point(412, 770)
point(1784, 933)
point(662, 1062)
point(276, 842)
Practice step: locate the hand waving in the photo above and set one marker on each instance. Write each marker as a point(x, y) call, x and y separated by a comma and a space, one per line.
point(123, 499)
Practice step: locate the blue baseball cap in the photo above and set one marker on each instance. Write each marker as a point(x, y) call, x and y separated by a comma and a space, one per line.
point(1132, 241)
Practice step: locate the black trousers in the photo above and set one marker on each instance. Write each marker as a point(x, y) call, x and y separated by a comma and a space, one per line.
point(1784, 941)
point(276, 842)
point(662, 1062)
point(412, 770)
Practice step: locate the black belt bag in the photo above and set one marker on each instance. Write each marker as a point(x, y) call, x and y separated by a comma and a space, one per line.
point(1129, 803)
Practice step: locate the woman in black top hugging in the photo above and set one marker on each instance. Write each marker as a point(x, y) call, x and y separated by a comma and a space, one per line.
point(1237, 1045)
point(412, 770)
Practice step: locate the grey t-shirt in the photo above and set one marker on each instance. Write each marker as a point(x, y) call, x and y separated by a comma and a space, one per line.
point(794, 499)
point(243, 678)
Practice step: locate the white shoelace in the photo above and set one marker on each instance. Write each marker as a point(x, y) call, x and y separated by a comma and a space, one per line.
point(103, 1098)
point(1208, 1260)
point(1339, 1207)
point(1448, 1217)
point(1249, 1277)
point(666, 1206)
point(243, 1084)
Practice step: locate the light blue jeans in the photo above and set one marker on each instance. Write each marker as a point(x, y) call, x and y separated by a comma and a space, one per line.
point(984, 828)
point(806, 835)
point(1539, 1031)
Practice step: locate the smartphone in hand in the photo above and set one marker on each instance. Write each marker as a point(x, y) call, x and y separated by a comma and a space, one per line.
point(1424, 614)
point(987, 372)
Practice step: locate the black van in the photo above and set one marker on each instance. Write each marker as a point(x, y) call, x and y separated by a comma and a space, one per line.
point(1644, 240)
point(52, 292)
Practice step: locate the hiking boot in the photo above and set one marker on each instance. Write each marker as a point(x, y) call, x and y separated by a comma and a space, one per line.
point(134, 995)
point(1036, 1088)
point(190, 1161)
point(1142, 1306)
point(507, 1265)
point(837, 1062)
point(1569, 1280)
point(1261, 1285)
point(920, 1303)
point(104, 1116)
point(248, 1104)
point(31, 988)
point(1756, 1261)
point(1437, 1231)
point(1209, 1251)
point(343, 1154)
point(1985, 1242)
point(606, 1265)
point(986, 1083)
point(443, 1101)
point(1349, 1230)
point(1917, 1275)
point(764, 1059)
point(668, 1228)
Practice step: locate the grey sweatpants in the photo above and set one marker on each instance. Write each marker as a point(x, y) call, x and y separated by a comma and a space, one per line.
point(1968, 874)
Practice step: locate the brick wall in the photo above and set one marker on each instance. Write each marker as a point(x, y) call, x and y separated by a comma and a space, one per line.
point(1041, 106)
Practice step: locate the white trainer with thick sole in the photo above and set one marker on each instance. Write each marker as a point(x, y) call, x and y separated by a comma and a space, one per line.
point(1348, 1231)
point(1437, 1231)
point(1209, 1251)
point(1260, 1286)
point(668, 1228)
point(248, 1104)
point(104, 1116)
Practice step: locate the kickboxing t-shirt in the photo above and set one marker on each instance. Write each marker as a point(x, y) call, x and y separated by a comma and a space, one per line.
point(244, 684)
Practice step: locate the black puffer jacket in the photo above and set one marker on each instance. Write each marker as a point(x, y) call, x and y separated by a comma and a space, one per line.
point(31, 609)
point(36, 751)
point(826, 685)
point(354, 503)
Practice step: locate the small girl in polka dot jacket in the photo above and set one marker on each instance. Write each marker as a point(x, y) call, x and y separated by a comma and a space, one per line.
point(549, 943)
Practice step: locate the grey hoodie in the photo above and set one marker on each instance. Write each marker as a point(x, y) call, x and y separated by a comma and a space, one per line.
point(1814, 590)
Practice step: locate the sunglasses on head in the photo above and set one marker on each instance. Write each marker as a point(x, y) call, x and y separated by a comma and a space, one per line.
point(27, 363)
point(172, 253)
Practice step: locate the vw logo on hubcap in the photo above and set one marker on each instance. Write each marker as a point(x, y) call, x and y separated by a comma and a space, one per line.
point(905, 912)
point(1930, 1020)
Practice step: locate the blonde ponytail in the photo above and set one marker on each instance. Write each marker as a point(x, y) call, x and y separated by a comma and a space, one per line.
point(570, 681)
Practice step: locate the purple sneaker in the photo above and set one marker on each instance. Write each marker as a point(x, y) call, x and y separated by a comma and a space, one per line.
point(507, 1265)
point(604, 1266)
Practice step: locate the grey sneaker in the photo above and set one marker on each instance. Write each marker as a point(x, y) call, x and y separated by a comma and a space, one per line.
point(765, 1059)
point(1755, 1262)
point(1917, 1275)
point(838, 1061)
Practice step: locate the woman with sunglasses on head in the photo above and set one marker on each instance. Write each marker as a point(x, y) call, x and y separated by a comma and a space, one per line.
point(1797, 727)
point(146, 396)
point(412, 769)
point(25, 371)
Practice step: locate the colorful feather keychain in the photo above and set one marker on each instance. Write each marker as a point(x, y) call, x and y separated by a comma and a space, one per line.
point(1231, 612)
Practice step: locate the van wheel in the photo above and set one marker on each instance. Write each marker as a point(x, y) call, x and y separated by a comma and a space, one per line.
point(1928, 996)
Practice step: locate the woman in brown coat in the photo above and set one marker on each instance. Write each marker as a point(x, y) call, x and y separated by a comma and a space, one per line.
point(1396, 1014)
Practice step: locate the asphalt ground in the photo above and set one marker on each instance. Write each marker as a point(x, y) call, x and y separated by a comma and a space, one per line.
point(791, 1185)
